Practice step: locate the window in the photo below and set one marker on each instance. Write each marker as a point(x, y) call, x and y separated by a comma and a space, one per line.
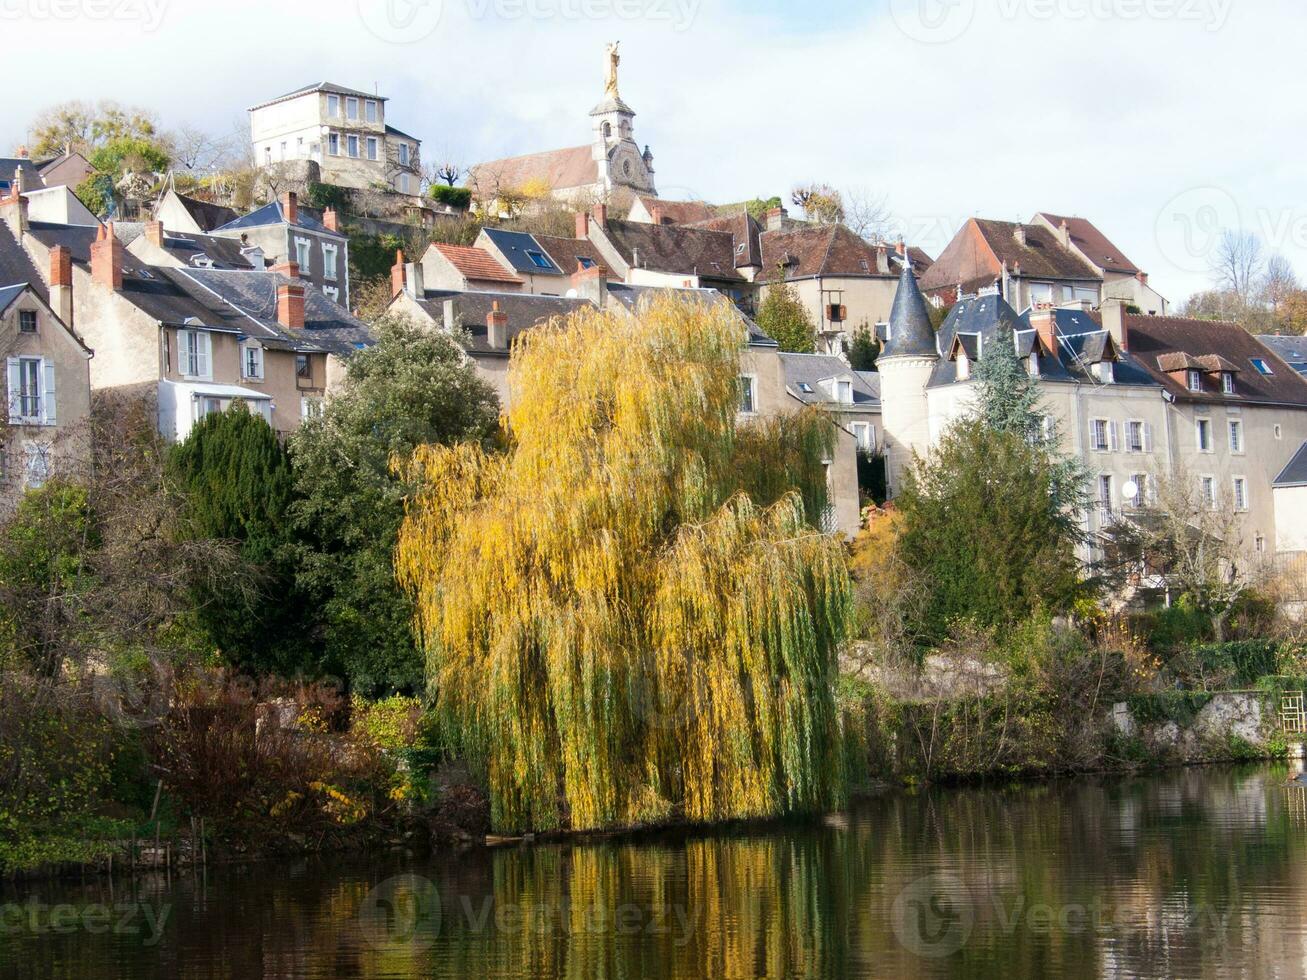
point(1227, 382)
point(31, 383)
point(252, 361)
point(748, 394)
point(1136, 436)
point(329, 253)
point(1106, 374)
point(299, 147)
point(1278, 431)
point(27, 321)
point(193, 351)
point(333, 144)
point(964, 366)
point(1240, 493)
point(1041, 292)
point(1207, 486)
point(1140, 481)
point(1236, 436)
point(267, 154)
point(844, 392)
point(1203, 435)
point(403, 154)
point(1105, 493)
point(1262, 366)
point(351, 107)
point(302, 369)
point(403, 183)
point(1099, 434)
point(1047, 428)
point(1081, 294)
point(372, 147)
point(303, 254)
point(862, 435)
point(585, 262)
point(538, 259)
point(283, 149)
point(370, 111)
point(1259, 543)
point(36, 463)
point(332, 293)
point(1195, 380)
point(333, 105)
point(352, 146)
point(1033, 364)
point(310, 408)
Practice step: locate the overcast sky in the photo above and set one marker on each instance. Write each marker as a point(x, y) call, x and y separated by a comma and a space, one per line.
point(1161, 120)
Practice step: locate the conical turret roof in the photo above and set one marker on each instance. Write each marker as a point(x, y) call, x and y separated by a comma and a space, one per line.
point(910, 332)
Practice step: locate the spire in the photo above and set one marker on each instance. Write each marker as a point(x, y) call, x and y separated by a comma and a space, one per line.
point(910, 332)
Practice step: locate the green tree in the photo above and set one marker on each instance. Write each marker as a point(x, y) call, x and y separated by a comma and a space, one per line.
point(623, 619)
point(85, 127)
point(783, 317)
point(864, 348)
point(235, 477)
point(411, 388)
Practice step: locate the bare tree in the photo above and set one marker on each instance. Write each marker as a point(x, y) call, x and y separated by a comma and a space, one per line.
point(821, 203)
point(1238, 263)
point(866, 214)
point(1279, 281)
point(194, 149)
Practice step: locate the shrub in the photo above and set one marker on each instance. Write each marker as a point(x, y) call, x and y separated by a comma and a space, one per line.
point(455, 197)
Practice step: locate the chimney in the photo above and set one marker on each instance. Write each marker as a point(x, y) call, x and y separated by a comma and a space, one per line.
point(1114, 321)
point(1019, 233)
point(14, 208)
point(107, 258)
point(601, 215)
point(776, 219)
point(882, 260)
point(1045, 323)
point(591, 284)
point(397, 274)
point(290, 207)
point(330, 221)
point(290, 270)
point(22, 153)
point(657, 214)
point(582, 225)
point(451, 314)
point(1142, 277)
point(61, 284)
point(1064, 234)
point(290, 305)
point(415, 281)
point(497, 327)
point(154, 233)
point(901, 247)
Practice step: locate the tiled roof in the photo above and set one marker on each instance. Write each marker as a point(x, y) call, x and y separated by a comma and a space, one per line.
point(475, 263)
point(574, 166)
point(1151, 338)
point(676, 249)
point(1093, 243)
point(979, 249)
point(206, 214)
point(567, 252)
point(680, 212)
point(632, 296)
point(746, 236)
point(1292, 350)
point(819, 250)
point(1294, 473)
point(524, 310)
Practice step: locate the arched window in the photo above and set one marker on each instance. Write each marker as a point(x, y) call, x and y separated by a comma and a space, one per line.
point(608, 130)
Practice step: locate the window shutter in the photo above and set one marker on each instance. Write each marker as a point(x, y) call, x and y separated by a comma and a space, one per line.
point(15, 391)
point(203, 348)
point(47, 392)
point(1148, 437)
point(1113, 437)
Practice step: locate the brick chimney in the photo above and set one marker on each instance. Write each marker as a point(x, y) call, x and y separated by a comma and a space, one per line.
point(397, 274)
point(582, 225)
point(659, 218)
point(22, 153)
point(1142, 277)
point(591, 284)
point(330, 221)
point(13, 209)
point(497, 327)
point(1064, 234)
point(1113, 315)
point(1019, 233)
point(107, 258)
point(61, 284)
point(289, 269)
point(154, 233)
point(775, 219)
point(601, 215)
point(290, 207)
point(1045, 323)
point(290, 305)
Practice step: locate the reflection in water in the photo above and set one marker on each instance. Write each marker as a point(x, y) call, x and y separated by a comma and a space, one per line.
point(1197, 873)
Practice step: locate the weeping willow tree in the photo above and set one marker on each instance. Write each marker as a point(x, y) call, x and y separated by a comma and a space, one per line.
point(629, 613)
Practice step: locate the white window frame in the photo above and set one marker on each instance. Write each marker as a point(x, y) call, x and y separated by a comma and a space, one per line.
point(403, 154)
point(195, 350)
point(36, 464)
point(372, 147)
point(841, 389)
point(252, 370)
point(38, 406)
point(862, 436)
point(310, 408)
point(1106, 501)
point(1105, 445)
point(1200, 444)
point(748, 394)
point(332, 293)
point(352, 146)
point(370, 110)
point(403, 183)
point(1132, 426)
point(330, 257)
point(1207, 490)
point(304, 254)
point(1234, 430)
point(351, 107)
point(1194, 380)
point(333, 106)
point(1238, 490)
point(1106, 372)
point(333, 144)
point(1227, 382)
point(1140, 480)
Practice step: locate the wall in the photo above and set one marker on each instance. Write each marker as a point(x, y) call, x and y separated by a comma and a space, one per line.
point(869, 300)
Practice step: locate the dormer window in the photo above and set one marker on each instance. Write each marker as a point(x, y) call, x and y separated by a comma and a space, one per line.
point(844, 392)
point(1227, 382)
point(1033, 363)
point(1195, 380)
point(1106, 372)
point(964, 366)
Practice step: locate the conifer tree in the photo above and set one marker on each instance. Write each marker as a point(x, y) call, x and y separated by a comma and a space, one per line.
point(783, 317)
point(864, 348)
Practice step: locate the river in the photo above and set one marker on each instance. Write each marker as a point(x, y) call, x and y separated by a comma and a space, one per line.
point(1193, 873)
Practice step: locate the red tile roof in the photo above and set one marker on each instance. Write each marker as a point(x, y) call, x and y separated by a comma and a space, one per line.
point(476, 263)
point(981, 246)
point(680, 212)
point(573, 166)
point(820, 250)
point(566, 252)
point(1093, 243)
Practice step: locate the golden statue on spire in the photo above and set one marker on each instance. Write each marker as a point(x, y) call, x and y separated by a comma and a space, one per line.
point(610, 75)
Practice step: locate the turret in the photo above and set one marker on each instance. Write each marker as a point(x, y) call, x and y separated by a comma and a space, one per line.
point(906, 364)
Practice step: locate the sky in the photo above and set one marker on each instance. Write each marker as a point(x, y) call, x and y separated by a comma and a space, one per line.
point(1162, 121)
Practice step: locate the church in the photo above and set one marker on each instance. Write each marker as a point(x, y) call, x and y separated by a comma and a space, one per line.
point(578, 175)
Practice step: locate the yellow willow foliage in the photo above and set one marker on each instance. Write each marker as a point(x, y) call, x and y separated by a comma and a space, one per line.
point(623, 613)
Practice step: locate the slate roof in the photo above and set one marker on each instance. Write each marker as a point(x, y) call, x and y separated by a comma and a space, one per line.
point(819, 250)
point(630, 296)
point(746, 236)
point(1151, 338)
point(514, 246)
point(16, 265)
point(676, 249)
point(475, 263)
point(566, 252)
point(680, 212)
point(10, 293)
point(1294, 473)
point(32, 179)
point(573, 166)
point(910, 332)
point(206, 214)
point(525, 310)
point(1093, 243)
point(1291, 350)
point(320, 87)
point(272, 214)
point(192, 250)
point(812, 369)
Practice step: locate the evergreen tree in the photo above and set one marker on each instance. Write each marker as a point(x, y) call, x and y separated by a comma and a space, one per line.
point(863, 349)
point(783, 318)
